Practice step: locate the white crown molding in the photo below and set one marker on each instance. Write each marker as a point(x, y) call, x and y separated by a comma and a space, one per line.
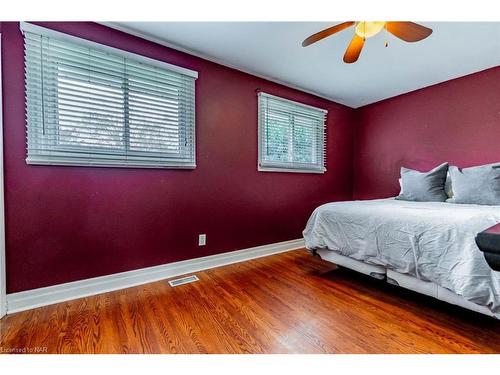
point(128, 30)
point(83, 288)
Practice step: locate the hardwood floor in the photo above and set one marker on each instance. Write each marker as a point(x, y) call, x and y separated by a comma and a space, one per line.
point(286, 303)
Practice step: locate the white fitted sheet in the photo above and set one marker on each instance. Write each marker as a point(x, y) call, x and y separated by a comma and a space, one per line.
point(431, 241)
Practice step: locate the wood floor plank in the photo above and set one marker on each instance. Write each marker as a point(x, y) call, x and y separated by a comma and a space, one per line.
point(286, 303)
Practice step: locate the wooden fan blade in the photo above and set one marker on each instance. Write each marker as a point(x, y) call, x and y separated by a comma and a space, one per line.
point(327, 32)
point(408, 31)
point(354, 49)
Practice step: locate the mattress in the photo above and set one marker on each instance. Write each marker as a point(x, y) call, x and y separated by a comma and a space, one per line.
point(432, 241)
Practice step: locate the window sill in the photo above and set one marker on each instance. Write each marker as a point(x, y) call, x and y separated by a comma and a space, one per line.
point(120, 164)
point(290, 170)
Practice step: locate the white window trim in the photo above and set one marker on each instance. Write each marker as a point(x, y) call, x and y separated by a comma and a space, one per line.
point(270, 168)
point(261, 93)
point(91, 161)
point(24, 26)
point(3, 278)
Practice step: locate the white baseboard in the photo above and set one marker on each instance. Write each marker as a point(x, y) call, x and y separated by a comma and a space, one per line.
point(31, 299)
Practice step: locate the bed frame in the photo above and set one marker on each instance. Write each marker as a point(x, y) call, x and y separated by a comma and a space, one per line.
point(404, 281)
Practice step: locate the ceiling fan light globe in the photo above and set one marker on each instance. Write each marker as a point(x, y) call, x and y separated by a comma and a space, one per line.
point(367, 29)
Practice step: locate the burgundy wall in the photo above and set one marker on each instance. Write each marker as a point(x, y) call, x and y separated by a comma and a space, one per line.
point(456, 121)
point(72, 223)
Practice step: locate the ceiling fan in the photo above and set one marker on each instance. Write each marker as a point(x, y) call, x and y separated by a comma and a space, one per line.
point(407, 31)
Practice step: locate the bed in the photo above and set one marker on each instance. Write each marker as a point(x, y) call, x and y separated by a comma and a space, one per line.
point(424, 246)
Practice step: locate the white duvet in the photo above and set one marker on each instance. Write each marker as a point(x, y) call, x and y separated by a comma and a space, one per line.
point(429, 240)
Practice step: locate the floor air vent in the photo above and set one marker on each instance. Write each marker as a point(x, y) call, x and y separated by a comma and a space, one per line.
point(183, 280)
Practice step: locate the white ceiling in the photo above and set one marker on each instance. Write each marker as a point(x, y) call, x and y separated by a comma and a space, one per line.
point(273, 50)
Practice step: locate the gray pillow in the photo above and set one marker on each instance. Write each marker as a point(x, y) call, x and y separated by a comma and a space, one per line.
point(476, 185)
point(423, 186)
point(447, 185)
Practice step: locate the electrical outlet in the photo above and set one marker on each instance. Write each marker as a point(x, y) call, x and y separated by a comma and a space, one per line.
point(202, 239)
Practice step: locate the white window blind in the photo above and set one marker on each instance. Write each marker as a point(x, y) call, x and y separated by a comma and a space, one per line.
point(291, 136)
point(87, 105)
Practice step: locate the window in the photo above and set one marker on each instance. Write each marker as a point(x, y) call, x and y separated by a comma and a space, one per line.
point(291, 136)
point(88, 104)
